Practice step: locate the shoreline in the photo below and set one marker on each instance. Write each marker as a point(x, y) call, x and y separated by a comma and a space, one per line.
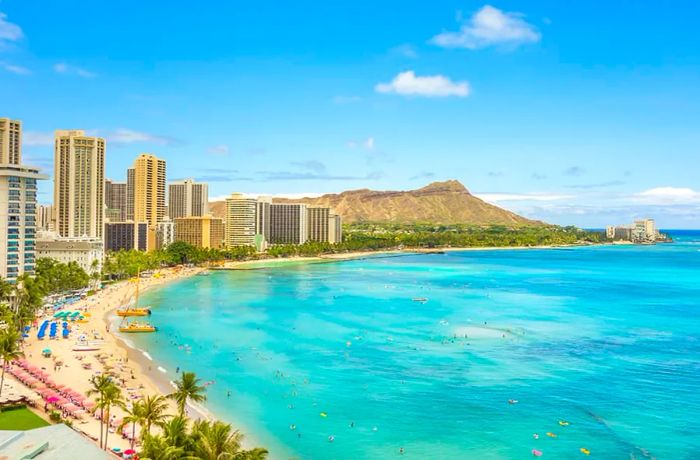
point(278, 262)
point(137, 365)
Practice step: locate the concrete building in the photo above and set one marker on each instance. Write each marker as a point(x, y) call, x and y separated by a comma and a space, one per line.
point(149, 193)
point(288, 223)
point(130, 178)
point(79, 183)
point(10, 141)
point(200, 231)
point(262, 217)
point(240, 220)
point(165, 233)
point(18, 208)
point(640, 232)
point(187, 198)
point(324, 225)
point(45, 218)
point(126, 235)
point(53, 442)
point(83, 251)
point(115, 200)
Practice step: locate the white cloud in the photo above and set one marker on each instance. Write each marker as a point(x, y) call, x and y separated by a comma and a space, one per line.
point(64, 68)
point(128, 136)
point(366, 143)
point(9, 32)
point(499, 197)
point(16, 69)
point(405, 50)
point(221, 149)
point(37, 138)
point(408, 84)
point(489, 26)
point(668, 195)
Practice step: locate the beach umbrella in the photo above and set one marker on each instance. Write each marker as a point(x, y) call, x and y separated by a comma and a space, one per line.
point(70, 407)
point(46, 350)
point(53, 399)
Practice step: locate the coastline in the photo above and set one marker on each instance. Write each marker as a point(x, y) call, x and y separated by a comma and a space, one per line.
point(138, 366)
point(112, 354)
point(266, 263)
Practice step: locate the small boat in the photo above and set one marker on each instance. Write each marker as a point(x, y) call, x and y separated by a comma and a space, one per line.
point(137, 327)
point(420, 299)
point(585, 451)
point(144, 311)
point(85, 348)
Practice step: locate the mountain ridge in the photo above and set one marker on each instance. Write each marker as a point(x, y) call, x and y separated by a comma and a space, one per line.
point(447, 202)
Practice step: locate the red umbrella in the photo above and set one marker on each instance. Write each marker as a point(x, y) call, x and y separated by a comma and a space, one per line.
point(53, 399)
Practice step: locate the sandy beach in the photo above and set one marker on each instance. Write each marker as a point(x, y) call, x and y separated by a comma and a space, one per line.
point(135, 370)
point(75, 368)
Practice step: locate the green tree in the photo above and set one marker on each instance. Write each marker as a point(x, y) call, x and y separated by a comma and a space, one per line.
point(98, 386)
point(134, 416)
point(187, 389)
point(154, 408)
point(111, 397)
point(9, 350)
point(214, 439)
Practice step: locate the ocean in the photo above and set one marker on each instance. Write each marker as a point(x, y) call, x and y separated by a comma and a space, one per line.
point(475, 354)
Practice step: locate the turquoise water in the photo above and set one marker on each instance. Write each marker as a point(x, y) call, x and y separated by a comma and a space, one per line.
point(606, 338)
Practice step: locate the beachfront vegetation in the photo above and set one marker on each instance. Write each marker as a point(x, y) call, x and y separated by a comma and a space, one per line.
point(58, 277)
point(201, 439)
point(187, 389)
point(9, 350)
point(358, 237)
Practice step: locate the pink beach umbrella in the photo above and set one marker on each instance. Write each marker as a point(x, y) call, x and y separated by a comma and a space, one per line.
point(70, 407)
point(53, 399)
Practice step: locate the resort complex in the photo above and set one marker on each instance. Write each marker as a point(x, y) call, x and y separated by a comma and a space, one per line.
point(349, 230)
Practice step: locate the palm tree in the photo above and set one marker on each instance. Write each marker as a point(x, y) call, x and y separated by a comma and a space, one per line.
point(133, 416)
point(175, 432)
point(215, 439)
point(111, 397)
point(154, 408)
point(99, 384)
point(187, 389)
point(257, 453)
point(9, 350)
point(157, 448)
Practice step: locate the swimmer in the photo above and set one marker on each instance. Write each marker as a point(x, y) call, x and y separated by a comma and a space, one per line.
point(177, 370)
point(536, 436)
point(512, 401)
point(401, 451)
point(292, 427)
point(352, 424)
point(331, 438)
point(228, 394)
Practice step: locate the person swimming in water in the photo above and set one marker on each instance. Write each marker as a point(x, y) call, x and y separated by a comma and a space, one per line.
point(331, 438)
point(401, 451)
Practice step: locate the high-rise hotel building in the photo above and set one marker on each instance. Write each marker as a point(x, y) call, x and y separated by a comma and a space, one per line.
point(79, 183)
point(324, 225)
point(187, 198)
point(10, 141)
point(288, 223)
point(149, 193)
point(240, 220)
point(200, 231)
point(18, 206)
point(115, 201)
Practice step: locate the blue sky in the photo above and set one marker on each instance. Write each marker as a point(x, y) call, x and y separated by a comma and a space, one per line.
point(582, 113)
